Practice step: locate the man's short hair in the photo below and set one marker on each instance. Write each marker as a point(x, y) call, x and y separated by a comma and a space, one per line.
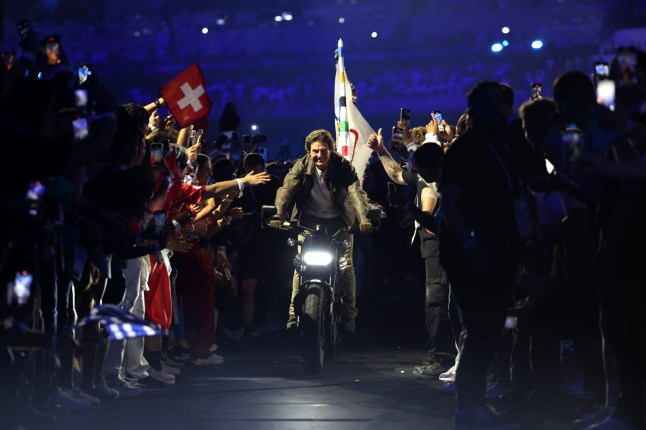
point(429, 156)
point(480, 86)
point(576, 87)
point(251, 160)
point(419, 134)
point(323, 136)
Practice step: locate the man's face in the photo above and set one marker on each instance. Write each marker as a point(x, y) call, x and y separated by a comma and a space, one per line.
point(320, 153)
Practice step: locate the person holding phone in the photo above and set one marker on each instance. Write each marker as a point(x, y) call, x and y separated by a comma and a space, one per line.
point(425, 162)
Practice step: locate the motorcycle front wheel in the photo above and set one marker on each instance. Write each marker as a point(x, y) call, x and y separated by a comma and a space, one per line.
point(312, 342)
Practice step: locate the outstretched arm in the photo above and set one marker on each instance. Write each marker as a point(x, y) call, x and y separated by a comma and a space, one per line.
point(392, 167)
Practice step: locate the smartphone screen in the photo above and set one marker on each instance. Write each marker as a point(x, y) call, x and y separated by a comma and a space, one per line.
point(404, 117)
point(511, 323)
point(573, 142)
point(156, 153)
point(9, 58)
point(35, 193)
point(397, 137)
point(20, 289)
point(438, 119)
point(601, 69)
point(606, 93)
point(80, 128)
point(85, 74)
point(80, 98)
point(52, 50)
point(537, 91)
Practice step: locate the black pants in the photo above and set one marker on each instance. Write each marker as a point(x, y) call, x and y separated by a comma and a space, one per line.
point(483, 303)
point(440, 343)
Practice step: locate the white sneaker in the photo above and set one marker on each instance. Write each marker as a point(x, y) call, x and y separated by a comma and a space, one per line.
point(213, 348)
point(161, 375)
point(102, 388)
point(170, 369)
point(448, 376)
point(211, 359)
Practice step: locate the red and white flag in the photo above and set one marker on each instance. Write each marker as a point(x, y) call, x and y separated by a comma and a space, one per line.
point(186, 96)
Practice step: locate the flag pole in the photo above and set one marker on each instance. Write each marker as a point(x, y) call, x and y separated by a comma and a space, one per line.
point(343, 146)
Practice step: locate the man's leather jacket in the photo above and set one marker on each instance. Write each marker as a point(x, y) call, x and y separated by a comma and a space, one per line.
point(340, 177)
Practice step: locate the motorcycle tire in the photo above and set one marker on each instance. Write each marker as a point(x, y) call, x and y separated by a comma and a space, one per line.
point(312, 340)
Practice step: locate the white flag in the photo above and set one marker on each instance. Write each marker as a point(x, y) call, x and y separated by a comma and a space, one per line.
point(352, 130)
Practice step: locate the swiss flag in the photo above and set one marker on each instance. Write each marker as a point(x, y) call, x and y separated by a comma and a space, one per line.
point(186, 96)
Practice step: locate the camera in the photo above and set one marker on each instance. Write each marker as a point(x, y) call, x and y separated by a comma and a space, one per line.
point(511, 323)
point(438, 119)
point(537, 91)
point(254, 138)
point(404, 117)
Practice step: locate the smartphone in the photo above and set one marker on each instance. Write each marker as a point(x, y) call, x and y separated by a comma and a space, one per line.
point(156, 153)
point(537, 91)
point(35, 193)
point(159, 223)
point(573, 141)
point(192, 138)
point(397, 137)
point(24, 28)
point(601, 69)
point(19, 290)
point(438, 118)
point(85, 75)
point(81, 129)
point(404, 117)
point(9, 58)
point(511, 323)
point(52, 47)
point(606, 93)
point(80, 98)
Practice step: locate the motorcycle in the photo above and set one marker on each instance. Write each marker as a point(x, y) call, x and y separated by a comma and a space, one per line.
point(319, 300)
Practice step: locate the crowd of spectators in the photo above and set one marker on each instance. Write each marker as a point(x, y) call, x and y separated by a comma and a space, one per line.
point(538, 214)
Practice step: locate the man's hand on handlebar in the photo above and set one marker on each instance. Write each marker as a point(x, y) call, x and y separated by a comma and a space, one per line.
point(276, 222)
point(365, 227)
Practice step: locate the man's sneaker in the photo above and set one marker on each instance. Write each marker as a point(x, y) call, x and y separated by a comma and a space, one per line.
point(481, 418)
point(124, 388)
point(213, 348)
point(162, 376)
point(211, 359)
point(449, 375)
point(432, 369)
point(170, 369)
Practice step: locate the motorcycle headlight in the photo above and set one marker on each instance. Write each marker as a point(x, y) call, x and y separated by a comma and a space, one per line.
point(317, 258)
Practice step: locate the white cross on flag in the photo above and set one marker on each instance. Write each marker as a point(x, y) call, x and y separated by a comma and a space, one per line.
point(186, 96)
